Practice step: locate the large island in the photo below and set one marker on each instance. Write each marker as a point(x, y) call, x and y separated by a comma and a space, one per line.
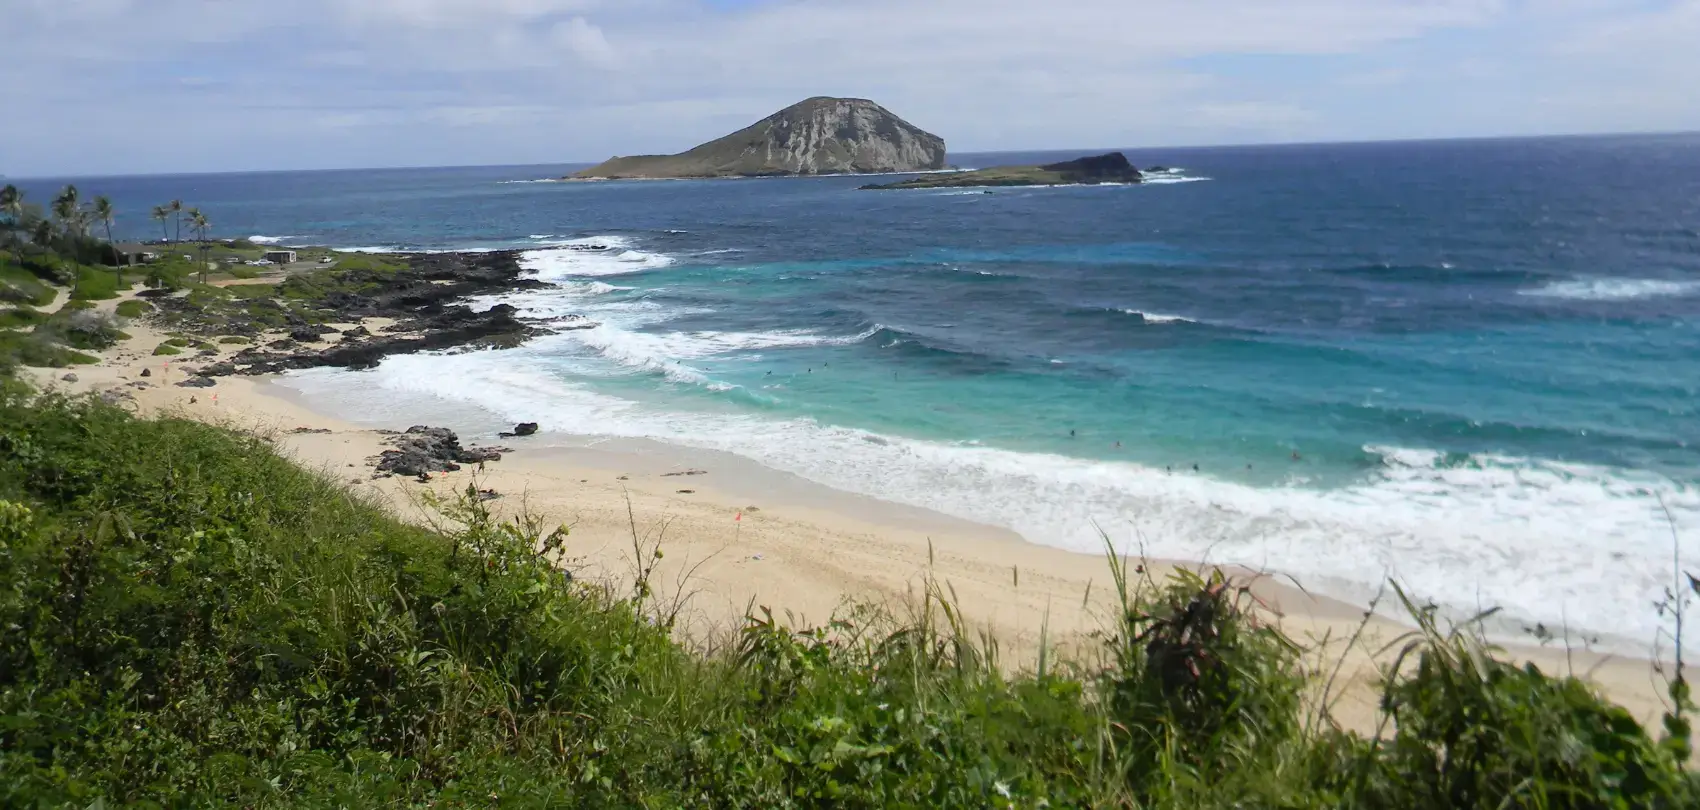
point(812, 137)
point(1111, 168)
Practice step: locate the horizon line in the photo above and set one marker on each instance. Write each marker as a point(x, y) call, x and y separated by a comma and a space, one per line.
point(1258, 145)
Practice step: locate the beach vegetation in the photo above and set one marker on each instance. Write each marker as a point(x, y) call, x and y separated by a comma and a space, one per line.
point(133, 308)
point(168, 273)
point(37, 351)
point(200, 226)
point(162, 215)
point(166, 349)
point(84, 329)
point(188, 619)
point(20, 285)
point(20, 317)
point(96, 284)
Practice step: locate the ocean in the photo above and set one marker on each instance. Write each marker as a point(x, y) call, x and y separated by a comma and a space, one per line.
point(1472, 366)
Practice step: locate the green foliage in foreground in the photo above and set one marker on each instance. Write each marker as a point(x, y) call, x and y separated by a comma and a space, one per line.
point(20, 317)
point(30, 349)
point(189, 620)
point(20, 286)
point(81, 328)
point(98, 284)
point(133, 308)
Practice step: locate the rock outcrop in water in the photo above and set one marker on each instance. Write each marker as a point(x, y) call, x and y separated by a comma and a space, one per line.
point(816, 136)
point(425, 299)
point(1111, 168)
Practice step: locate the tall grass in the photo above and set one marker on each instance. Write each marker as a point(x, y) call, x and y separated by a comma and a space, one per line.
point(189, 620)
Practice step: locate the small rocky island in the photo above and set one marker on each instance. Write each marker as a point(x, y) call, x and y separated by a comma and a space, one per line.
point(812, 137)
point(1111, 168)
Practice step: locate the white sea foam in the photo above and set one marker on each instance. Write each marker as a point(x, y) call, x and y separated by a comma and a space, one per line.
point(1550, 542)
point(1616, 289)
point(1169, 180)
point(271, 240)
point(371, 249)
point(590, 257)
point(1157, 317)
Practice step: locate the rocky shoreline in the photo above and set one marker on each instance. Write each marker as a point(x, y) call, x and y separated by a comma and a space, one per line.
point(420, 298)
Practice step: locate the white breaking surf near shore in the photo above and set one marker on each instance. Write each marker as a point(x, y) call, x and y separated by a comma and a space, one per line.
point(1550, 542)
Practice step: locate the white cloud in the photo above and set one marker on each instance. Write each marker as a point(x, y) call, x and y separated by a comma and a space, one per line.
point(1258, 116)
point(588, 42)
point(451, 13)
point(598, 77)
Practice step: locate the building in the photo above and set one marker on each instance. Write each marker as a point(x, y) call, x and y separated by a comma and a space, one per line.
point(132, 254)
point(280, 256)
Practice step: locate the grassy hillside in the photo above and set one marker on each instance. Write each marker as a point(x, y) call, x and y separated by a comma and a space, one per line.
point(188, 620)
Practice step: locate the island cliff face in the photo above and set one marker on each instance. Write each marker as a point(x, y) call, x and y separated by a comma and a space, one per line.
point(817, 136)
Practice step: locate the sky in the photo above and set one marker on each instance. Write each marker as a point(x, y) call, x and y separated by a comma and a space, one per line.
point(92, 87)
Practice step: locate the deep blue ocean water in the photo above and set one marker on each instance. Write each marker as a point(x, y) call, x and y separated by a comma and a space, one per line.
point(1472, 365)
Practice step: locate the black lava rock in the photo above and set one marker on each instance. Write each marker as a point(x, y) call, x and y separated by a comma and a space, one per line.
point(422, 450)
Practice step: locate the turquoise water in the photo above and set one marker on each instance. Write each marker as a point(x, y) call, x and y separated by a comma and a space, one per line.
point(1471, 365)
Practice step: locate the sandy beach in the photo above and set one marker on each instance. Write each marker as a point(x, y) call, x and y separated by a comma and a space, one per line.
point(735, 535)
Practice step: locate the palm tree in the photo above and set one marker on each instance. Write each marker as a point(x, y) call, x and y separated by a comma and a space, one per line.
point(68, 212)
point(42, 234)
point(176, 209)
point(103, 213)
point(161, 214)
point(12, 206)
point(199, 225)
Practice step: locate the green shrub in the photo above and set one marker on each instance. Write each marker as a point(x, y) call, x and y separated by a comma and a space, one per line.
point(245, 292)
point(168, 274)
point(166, 350)
point(133, 308)
point(243, 271)
point(234, 340)
point(97, 284)
point(20, 317)
point(51, 268)
point(189, 620)
point(81, 329)
point(20, 349)
point(20, 286)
